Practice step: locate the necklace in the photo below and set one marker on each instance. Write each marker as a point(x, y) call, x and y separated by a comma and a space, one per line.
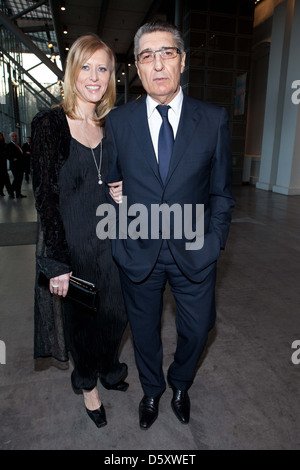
point(98, 167)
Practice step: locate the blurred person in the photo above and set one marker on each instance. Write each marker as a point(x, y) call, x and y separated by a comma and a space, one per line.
point(26, 147)
point(4, 176)
point(16, 159)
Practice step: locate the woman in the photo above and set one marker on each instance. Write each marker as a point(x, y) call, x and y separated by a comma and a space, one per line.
point(67, 172)
point(4, 177)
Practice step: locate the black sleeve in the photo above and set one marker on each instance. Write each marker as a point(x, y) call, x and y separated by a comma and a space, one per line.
point(45, 172)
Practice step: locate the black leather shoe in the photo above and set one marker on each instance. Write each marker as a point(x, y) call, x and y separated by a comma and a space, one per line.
point(180, 404)
point(121, 386)
point(148, 411)
point(98, 416)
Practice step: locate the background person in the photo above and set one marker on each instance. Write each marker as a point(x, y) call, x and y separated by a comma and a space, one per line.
point(198, 172)
point(16, 159)
point(4, 176)
point(67, 167)
point(26, 147)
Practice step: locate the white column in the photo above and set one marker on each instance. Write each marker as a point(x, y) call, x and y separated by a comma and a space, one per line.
point(279, 51)
point(256, 111)
point(288, 172)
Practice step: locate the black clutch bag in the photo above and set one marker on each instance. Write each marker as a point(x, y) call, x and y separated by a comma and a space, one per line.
point(81, 292)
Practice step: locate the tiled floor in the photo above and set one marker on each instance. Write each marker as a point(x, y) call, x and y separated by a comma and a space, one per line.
point(246, 391)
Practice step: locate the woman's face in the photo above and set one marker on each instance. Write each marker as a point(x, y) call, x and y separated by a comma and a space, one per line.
point(93, 78)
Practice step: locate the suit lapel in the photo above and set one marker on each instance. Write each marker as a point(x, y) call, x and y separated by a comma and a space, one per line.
point(189, 121)
point(139, 123)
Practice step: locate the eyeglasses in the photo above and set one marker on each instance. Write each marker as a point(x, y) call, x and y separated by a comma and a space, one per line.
point(145, 57)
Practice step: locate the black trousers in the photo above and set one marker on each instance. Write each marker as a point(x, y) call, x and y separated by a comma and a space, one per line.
point(17, 181)
point(5, 181)
point(195, 316)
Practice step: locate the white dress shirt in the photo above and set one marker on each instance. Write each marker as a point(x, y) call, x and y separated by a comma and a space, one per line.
point(155, 119)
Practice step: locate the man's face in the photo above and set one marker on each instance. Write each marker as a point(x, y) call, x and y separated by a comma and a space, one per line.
point(14, 137)
point(160, 78)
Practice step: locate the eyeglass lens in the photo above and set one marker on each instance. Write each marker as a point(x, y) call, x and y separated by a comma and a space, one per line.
point(166, 53)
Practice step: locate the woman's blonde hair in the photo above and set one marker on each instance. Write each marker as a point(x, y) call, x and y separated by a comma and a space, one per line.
point(81, 50)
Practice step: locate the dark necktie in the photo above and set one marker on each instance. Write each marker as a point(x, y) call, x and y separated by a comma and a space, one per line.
point(165, 142)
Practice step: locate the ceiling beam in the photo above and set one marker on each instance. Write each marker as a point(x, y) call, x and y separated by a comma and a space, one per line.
point(8, 24)
point(36, 28)
point(54, 6)
point(102, 17)
point(28, 10)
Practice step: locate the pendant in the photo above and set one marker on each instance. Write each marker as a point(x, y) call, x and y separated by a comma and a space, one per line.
point(100, 181)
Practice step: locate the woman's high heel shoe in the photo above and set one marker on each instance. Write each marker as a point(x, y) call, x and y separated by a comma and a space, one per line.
point(98, 416)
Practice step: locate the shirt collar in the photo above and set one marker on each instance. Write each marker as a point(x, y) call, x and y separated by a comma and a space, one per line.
point(175, 104)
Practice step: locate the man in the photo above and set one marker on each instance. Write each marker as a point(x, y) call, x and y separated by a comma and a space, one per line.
point(16, 159)
point(4, 177)
point(198, 172)
point(26, 147)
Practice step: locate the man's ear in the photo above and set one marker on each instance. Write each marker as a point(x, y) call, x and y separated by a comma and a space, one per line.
point(137, 68)
point(182, 65)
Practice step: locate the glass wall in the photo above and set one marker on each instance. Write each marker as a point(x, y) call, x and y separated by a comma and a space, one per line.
point(13, 110)
point(218, 40)
point(26, 85)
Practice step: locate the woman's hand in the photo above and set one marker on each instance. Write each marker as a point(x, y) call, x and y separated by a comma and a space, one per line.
point(59, 285)
point(115, 191)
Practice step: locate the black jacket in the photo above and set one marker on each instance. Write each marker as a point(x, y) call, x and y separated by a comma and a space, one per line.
point(50, 149)
point(15, 157)
point(3, 158)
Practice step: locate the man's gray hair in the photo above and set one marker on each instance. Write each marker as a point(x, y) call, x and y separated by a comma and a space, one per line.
point(154, 26)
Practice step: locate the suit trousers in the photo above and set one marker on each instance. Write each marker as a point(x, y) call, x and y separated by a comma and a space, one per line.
point(195, 316)
point(17, 181)
point(5, 181)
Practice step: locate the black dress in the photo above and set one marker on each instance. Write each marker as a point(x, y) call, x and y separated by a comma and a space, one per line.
point(66, 190)
point(92, 337)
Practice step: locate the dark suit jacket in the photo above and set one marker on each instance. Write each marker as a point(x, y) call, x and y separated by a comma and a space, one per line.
point(15, 157)
point(26, 147)
point(199, 173)
point(3, 158)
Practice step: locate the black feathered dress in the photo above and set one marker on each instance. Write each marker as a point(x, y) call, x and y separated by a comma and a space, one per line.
point(67, 194)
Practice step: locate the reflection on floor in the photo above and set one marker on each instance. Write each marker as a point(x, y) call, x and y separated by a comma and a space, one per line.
point(246, 391)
